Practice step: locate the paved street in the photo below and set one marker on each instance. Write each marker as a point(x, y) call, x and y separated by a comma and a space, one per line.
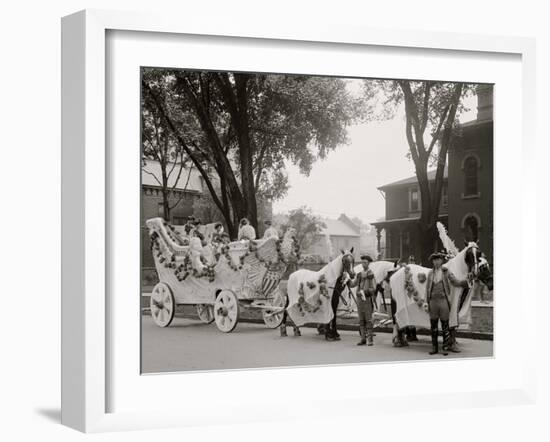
point(188, 344)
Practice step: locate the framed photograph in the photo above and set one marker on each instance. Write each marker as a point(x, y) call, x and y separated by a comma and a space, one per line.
point(256, 214)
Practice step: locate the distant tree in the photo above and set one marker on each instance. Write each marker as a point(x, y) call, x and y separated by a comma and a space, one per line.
point(206, 210)
point(431, 114)
point(239, 129)
point(159, 145)
point(306, 224)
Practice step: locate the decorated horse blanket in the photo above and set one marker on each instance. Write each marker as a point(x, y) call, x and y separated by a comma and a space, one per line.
point(308, 298)
point(408, 290)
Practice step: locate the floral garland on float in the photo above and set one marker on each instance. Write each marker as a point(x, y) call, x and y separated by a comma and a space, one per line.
point(185, 256)
point(167, 257)
point(412, 293)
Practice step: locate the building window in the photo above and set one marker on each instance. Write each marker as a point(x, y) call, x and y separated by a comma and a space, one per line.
point(471, 228)
point(471, 223)
point(179, 220)
point(160, 210)
point(471, 166)
point(414, 200)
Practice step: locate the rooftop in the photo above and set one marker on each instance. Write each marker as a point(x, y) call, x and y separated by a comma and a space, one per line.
point(342, 226)
point(152, 170)
point(412, 179)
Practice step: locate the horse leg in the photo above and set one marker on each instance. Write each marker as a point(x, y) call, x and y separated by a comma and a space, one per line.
point(282, 327)
point(335, 301)
point(399, 340)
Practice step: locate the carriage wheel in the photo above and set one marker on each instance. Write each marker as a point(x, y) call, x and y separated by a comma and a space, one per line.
point(274, 319)
point(163, 305)
point(205, 312)
point(226, 311)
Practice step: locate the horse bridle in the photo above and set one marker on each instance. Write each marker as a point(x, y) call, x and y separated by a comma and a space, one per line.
point(475, 272)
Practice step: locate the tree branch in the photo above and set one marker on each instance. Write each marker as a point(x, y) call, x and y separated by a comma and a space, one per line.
point(435, 136)
point(182, 194)
point(183, 144)
point(425, 108)
point(153, 175)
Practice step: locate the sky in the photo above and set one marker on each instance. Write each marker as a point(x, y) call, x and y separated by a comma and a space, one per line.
point(347, 180)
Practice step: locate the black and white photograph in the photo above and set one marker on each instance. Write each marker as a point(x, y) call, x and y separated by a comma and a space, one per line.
point(254, 221)
point(297, 220)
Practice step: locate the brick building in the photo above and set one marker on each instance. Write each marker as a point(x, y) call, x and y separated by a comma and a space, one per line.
point(183, 196)
point(466, 207)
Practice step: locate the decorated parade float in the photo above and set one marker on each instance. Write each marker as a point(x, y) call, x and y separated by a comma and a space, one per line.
point(218, 278)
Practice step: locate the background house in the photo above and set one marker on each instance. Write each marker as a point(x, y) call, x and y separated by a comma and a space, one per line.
point(342, 233)
point(466, 207)
point(403, 205)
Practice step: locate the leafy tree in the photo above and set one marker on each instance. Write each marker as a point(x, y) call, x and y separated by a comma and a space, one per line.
point(306, 224)
point(239, 129)
point(161, 147)
point(431, 127)
point(206, 210)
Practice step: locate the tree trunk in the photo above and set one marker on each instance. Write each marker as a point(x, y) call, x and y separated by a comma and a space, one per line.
point(165, 193)
point(165, 205)
point(245, 150)
point(428, 241)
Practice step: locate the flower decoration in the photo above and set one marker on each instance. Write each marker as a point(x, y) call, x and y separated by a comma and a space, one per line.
point(412, 293)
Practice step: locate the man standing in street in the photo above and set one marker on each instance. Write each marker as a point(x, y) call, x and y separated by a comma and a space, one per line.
point(366, 291)
point(438, 291)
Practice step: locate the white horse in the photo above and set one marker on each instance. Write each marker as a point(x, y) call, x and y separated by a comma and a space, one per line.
point(309, 293)
point(408, 289)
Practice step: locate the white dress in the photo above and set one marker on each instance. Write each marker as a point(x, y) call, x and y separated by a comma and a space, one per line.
point(271, 232)
point(247, 232)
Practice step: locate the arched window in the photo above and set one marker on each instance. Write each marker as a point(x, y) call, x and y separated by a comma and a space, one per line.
point(471, 228)
point(471, 166)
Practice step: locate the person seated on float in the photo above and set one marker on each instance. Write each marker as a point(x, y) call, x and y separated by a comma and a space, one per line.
point(199, 227)
point(218, 230)
point(195, 250)
point(216, 238)
point(246, 231)
point(225, 238)
point(189, 226)
point(270, 231)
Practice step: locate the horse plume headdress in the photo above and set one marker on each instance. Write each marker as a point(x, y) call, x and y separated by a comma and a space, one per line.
point(447, 242)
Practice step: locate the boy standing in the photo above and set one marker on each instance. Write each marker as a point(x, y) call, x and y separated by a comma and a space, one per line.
point(366, 291)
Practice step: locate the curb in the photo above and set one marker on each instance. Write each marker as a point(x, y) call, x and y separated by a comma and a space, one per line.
point(464, 334)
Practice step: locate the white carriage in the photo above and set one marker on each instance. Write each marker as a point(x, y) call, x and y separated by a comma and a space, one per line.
point(218, 279)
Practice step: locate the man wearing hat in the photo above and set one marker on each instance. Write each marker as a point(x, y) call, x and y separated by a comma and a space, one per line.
point(438, 291)
point(366, 291)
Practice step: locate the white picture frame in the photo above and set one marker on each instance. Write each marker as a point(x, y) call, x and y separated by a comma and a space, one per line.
point(85, 198)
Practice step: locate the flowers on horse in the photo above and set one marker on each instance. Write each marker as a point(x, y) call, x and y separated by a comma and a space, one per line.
point(412, 293)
